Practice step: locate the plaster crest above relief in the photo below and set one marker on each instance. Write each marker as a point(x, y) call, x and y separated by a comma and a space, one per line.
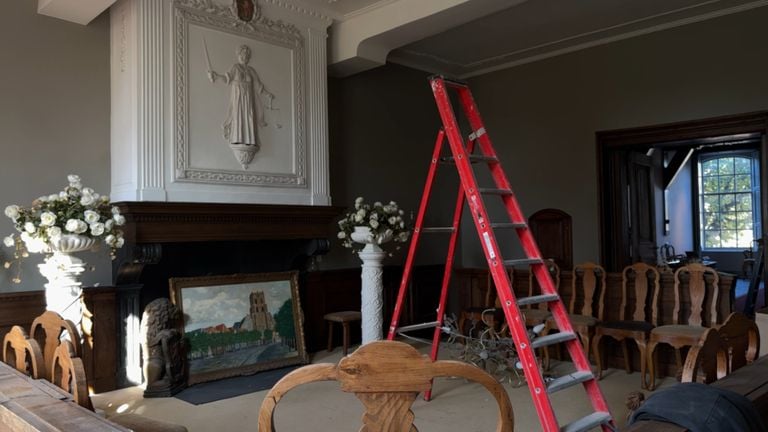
point(193, 20)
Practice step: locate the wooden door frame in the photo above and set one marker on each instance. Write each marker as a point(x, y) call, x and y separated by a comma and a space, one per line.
point(640, 137)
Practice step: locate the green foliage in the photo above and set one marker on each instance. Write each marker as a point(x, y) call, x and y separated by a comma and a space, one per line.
point(200, 341)
point(284, 320)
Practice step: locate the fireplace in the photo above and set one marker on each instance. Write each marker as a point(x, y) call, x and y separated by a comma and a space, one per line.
point(165, 240)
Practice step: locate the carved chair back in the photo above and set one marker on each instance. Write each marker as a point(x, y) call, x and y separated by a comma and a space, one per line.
point(48, 330)
point(22, 353)
point(386, 376)
point(533, 283)
point(592, 283)
point(697, 290)
point(645, 282)
point(68, 373)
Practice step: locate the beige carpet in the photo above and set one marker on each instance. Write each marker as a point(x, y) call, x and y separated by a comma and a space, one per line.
point(457, 406)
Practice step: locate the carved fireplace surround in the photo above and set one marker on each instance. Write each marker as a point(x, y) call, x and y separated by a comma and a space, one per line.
point(165, 240)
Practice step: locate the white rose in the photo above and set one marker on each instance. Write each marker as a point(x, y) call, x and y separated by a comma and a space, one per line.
point(87, 199)
point(12, 211)
point(119, 242)
point(377, 204)
point(104, 198)
point(33, 245)
point(115, 210)
point(97, 228)
point(375, 216)
point(53, 197)
point(110, 240)
point(88, 191)
point(91, 217)
point(109, 224)
point(361, 212)
point(119, 219)
point(341, 234)
point(30, 227)
point(63, 195)
point(47, 219)
point(54, 232)
point(359, 200)
point(392, 220)
point(402, 237)
point(76, 226)
point(73, 178)
point(358, 218)
point(374, 224)
point(402, 225)
point(43, 198)
point(9, 241)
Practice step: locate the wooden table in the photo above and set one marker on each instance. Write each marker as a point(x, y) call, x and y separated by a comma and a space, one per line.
point(30, 405)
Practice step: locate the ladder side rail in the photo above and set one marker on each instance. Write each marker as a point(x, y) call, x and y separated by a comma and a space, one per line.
point(416, 234)
point(448, 271)
point(535, 380)
point(531, 249)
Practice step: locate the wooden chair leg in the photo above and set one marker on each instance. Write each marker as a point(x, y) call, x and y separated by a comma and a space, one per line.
point(596, 354)
point(330, 336)
point(651, 357)
point(625, 350)
point(345, 325)
point(643, 365)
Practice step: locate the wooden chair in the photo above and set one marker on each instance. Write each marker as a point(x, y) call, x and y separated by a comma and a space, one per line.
point(590, 291)
point(645, 283)
point(723, 350)
point(538, 314)
point(68, 373)
point(386, 376)
point(489, 312)
point(685, 331)
point(22, 353)
point(48, 330)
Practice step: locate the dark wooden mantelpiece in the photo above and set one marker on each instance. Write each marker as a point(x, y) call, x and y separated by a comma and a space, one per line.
point(163, 222)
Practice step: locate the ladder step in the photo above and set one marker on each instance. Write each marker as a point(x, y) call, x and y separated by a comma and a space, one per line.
point(552, 339)
point(584, 424)
point(431, 324)
point(543, 298)
point(495, 191)
point(524, 261)
point(509, 225)
point(569, 380)
point(437, 230)
point(472, 159)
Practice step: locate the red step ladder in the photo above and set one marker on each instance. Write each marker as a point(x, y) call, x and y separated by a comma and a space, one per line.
point(463, 155)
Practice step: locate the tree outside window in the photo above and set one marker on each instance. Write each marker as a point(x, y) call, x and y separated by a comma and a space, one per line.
point(729, 200)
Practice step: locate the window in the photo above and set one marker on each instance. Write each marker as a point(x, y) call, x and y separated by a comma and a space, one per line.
point(729, 199)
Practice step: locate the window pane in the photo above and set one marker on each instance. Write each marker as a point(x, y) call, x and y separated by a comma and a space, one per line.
point(745, 239)
point(725, 166)
point(726, 184)
point(728, 203)
point(728, 239)
point(709, 184)
point(728, 220)
point(711, 221)
point(743, 165)
point(744, 202)
point(743, 183)
point(709, 167)
point(744, 220)
point(710, 203)
point(711, 239)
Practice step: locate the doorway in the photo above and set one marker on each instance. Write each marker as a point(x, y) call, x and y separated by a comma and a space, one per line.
point(637, 167)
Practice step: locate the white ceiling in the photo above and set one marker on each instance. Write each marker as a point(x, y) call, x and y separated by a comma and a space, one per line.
point(463, 38)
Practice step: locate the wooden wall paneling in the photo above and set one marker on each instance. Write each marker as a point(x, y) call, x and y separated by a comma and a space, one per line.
point(20, 308)
point(100, 348)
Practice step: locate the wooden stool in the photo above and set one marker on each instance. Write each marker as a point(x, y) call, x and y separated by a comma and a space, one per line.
point(343, 317)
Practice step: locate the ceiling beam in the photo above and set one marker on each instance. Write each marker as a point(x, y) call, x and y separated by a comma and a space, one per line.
point(76, 11)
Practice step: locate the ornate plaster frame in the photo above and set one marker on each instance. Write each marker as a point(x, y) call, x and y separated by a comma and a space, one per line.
point(262, 29)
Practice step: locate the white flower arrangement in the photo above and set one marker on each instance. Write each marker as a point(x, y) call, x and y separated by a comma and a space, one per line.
point(75, 210)
point(385, 222)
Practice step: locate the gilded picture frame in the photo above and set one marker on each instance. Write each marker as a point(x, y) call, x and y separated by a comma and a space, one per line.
point(240, 324)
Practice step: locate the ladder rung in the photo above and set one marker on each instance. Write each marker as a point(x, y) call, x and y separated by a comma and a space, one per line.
point(524, 261)
point(543, 298)
point(437, 230)
point(584, 424)
point(431, 324)
point(552, 339)
point(569, 380)
point(472, 159)
point(495, 191)
point(509, 225)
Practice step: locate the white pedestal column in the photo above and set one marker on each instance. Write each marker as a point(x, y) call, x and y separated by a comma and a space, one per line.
point(371, 296)
point(63, 292)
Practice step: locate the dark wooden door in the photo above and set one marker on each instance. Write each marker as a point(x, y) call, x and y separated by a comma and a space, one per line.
point(552, 230)
point(641, 217)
